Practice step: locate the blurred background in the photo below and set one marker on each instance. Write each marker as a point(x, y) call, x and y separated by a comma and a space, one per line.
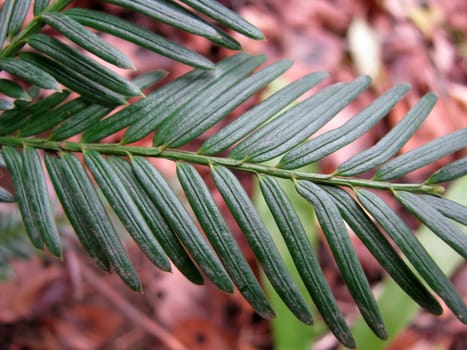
point(51, 304)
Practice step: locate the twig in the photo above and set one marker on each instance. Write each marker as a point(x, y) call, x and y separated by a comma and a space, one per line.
point(131, 312)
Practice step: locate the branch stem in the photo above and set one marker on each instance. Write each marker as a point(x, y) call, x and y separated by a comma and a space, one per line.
point(34, 26)
point(191, 157)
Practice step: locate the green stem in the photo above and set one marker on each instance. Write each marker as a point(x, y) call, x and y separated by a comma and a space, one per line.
point(33, 27)
point(191, 157)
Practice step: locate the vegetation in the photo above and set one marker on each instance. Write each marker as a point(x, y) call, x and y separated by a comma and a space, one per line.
point(271, 141)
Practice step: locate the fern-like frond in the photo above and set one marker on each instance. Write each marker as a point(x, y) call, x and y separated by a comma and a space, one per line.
point(35, 128)
point(185, 108)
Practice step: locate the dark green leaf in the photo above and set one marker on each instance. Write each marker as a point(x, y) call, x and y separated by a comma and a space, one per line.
point(125, 208)
point(15, 166)
point(295, 125)
point(449, 172)
point(256, 116)
point(221, 238)
point(156, 222)
point(191, 125)
point(139, 36)
point(17, 17)
point(448, 208)
point(392, 142)
point(260, 242)
point(2, 160)
point(28, 72)
point(435, 221)
point(339, 241)
point(72, 208)
point(304, 258)
point(83, 120)
point(186, 91)
point(5, 16)
point(191, 113)
point(148, 79)
point(12, 89)
point(414, 251)
point(98, 221)
point(42, 122)
point(150, 110)
point(85, 86)
point(382, 250)
point(87, 40)
point(423, 155)
point(180, 221)
point(225, 40)
point(5, 196)
point(83, 65)
point(38, 197)
point(39, 6)
point(335, 139)
point(20, 117)
point(91, 115)
point(228, 18)
point(170, 13)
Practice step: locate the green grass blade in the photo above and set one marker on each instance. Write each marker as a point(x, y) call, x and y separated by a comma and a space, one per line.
point(72, 210)
point(14, 163)
point(331, 141)
point(85, 86)
point(392, 142)
point(225, 16)
point(192, 125)
point(89, 41)
point(304, 258)
point(449, 172)
point(259, 114)
point(435, 221)
point(180, 221)
point(28, 72)
point(125, 208)
point(294, 126)
point(260, 242)
point(382, 250)
point(159, 227)
point(139, 36)
point(423, 155)
point(220, 237)
point(351, 271)
point(414, 252)
point(98, 221)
